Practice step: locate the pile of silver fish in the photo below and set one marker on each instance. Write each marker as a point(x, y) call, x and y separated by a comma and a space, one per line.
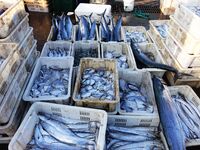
point(51, 81)
point(195, 9)
point(138, 37)
point(83, 52)
point(86, 28)
point(54, 132)
point(121, 59)
point(132, 99)
point(189, 116)
point(110, 32)
point(97, 84)
point(62, 28)
point(58, 52)
point(1, 60)
point(162, 29)
point(138, 138)
point(168, 116)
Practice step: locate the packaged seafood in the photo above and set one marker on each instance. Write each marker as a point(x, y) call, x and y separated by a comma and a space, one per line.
point(121, 52)
point(17, 35)
point(73, 114)
point(57, 49)
point(136, 98)
point(155, 34)
point(11, 17)
point(85, 49)
point(50, 80)
point(94, 94)
point(137, 33)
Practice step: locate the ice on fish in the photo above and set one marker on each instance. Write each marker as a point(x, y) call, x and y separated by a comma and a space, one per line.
point(122, 61)
point(162, 29)
point(58, 52)
point(132, 99)
point(56, 132)
point(97, 84)
point(51, 81)
point(189, 116)
point(121, 138)
point(195, 9)
point(138, 37)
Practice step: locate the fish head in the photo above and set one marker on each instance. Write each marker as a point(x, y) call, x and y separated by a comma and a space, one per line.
point(158, 82)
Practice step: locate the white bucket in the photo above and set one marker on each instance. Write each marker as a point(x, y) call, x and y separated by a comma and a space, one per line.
point(128, 5)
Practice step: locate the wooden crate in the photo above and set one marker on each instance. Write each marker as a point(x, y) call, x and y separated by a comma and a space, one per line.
point(97, 63)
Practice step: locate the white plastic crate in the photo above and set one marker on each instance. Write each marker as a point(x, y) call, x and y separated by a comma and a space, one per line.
point(188, 19)
point(10, 98)
point(121, 48)
point(38, 7)
point(54, 45)
point(17, 35)
point(154, 34)
point(87, 9)
point(135, 121)
point(179, 53)
point(36, 2)
point(190, 95)
point(142, 79)
point(51, 35)
point(193, 81)
point(27, 43)
point(76, 30)
point(80, 45)
point(188, 43)
point(66, 62)
point(168, 7)
point(121, 35)
point(150, 47)
point(9, 67)
point(33, 54)
point(11, 17)
point(98, 1)
point(95, 63)
point(135, 29)
point(25, 132)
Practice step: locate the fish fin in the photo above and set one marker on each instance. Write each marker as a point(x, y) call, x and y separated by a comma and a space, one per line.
point(102, 14)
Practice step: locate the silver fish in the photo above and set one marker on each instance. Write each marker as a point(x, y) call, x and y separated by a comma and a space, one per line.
point(195, 9)
point(138, 37)
point(162, 29)
point(58, 52)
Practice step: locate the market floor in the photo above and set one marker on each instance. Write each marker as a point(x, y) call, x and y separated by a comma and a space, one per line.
point(41, 23)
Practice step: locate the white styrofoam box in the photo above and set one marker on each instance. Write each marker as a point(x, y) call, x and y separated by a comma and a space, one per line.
point(154, 34)
point(12, 94)
point(96, 9)
point(25, 131)
point(128, 5)
point(121, 48)
point(55, 45)
point(190, 95)
point(140, 29)
point(188, 19)
point(75, 29)
point(143, 80)
point(65, 62)
point(188, 43)
point(151, 48)
point(17, 35)
point(11, 17)
point(182, 57)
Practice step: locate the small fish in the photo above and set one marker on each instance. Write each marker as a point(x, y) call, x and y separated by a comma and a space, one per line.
point(138, 37)
point(195, 9)
point(162, 29)
point(58, 52)
point(168, 116)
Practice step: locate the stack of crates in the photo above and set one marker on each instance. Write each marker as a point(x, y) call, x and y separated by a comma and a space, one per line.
point(18, 53)
point(38, 5)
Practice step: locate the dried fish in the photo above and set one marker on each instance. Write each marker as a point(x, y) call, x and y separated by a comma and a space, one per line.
point(138, 37)
point(132, 99)
point(51, 81)
point(58, 52)
point(121, 59)
point(162, 29)
point(97, 84)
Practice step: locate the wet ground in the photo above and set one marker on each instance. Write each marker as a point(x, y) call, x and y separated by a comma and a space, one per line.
point(41, 23)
